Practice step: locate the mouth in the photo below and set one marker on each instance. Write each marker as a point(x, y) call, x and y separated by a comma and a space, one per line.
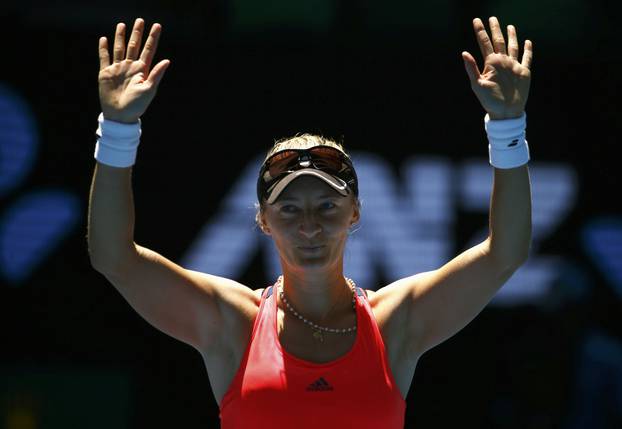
point(310, 248)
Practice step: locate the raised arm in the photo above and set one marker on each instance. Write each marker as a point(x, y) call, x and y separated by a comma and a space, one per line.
point(190, 306)
point(126, 87)
point(502, 87)
point(440, 303)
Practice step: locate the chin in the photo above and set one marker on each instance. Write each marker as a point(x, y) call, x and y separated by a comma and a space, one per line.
point(319, 264)
point(310, 263)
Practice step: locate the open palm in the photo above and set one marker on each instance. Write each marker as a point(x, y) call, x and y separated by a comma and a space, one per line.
point(502, 87)
point(127, 85)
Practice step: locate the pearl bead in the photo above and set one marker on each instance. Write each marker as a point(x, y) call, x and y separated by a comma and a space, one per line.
point(315, 326)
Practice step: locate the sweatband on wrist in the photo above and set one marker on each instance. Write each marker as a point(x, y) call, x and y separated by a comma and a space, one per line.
point(117, 143)
point(507, 147)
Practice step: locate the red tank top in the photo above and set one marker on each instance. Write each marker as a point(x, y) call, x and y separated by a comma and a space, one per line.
point(275, 389)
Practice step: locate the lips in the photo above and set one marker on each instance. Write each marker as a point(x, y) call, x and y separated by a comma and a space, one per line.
point(310, 247)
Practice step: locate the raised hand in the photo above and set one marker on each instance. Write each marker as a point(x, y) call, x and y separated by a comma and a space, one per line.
point(502, 86)
point(127, 85)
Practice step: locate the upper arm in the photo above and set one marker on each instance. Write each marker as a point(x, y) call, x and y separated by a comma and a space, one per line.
point(442, 302)
point(190, 306)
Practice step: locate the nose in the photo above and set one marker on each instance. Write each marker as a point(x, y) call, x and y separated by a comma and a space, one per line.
point(309, 227)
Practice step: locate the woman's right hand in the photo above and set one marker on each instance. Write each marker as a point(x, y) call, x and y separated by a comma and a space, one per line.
point(127, 86)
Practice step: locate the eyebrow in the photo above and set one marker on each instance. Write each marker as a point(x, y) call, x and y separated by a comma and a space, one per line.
point(291, 198)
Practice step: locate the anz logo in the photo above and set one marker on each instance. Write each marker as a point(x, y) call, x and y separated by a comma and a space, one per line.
point(408, 224)
point(33, 222)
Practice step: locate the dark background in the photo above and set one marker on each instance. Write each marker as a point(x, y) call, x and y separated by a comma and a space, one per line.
point(385, 77)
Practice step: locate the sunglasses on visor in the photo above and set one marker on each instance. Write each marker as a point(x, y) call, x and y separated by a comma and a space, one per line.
point(324, 158)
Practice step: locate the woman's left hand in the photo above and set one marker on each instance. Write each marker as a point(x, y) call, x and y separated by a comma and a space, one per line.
point(502, 86)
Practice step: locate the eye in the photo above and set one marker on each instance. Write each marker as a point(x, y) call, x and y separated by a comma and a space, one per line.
point(327, 205)
point(289, 208)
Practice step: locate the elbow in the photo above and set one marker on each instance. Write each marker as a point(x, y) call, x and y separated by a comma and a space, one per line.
point(94, 258)
point(518, 260)
point(111, 271)
point(110, 262)
point(509, 258)
point(97, 257)
point(100, 264)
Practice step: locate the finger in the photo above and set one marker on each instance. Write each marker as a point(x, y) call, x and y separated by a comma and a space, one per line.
point(482, 38)
point(156, 75)
point(151, 44)
point(134, 44)
point(512, 42)
point(119, 43)
point(527, 54)
point(497, 36)
point(470, 66)
point(104, 56)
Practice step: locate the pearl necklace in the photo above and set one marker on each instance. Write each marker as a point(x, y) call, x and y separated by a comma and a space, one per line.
point(317, 330)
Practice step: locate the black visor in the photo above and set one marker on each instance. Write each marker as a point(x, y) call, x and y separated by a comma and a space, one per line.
point(325, 159)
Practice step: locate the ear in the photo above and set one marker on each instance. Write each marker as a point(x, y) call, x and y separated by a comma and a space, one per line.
point(263, 224)
point(356, 215)
point(260, 219)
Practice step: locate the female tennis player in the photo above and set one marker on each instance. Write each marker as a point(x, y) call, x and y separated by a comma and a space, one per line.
point(313, 349)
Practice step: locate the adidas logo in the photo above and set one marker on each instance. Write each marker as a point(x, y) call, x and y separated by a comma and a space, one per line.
point(319, 384)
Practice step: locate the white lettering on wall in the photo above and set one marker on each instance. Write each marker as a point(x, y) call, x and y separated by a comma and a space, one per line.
point(407, 223)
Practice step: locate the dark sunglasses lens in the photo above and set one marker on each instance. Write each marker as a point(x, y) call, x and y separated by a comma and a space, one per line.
point(327, 157)
point(281, 162)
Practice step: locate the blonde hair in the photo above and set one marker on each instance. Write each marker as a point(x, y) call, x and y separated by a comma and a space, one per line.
point(303, 141)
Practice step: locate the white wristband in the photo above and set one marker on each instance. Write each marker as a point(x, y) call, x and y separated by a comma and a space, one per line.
point(507, 146)
point(117, 142)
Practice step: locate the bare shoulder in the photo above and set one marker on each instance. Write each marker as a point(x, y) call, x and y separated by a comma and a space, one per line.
point(237, 306)
point(234, 298)
point(385, 298)
point(375, 299)
point(391, 304)
point(397, 291)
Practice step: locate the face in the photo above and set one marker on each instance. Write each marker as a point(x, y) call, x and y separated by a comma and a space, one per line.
point(309, 223)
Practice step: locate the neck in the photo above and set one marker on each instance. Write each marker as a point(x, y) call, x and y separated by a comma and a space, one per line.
point(318, 297)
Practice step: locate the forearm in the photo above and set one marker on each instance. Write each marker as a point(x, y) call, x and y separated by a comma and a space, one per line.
point(110, 230)
point(510, 216)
